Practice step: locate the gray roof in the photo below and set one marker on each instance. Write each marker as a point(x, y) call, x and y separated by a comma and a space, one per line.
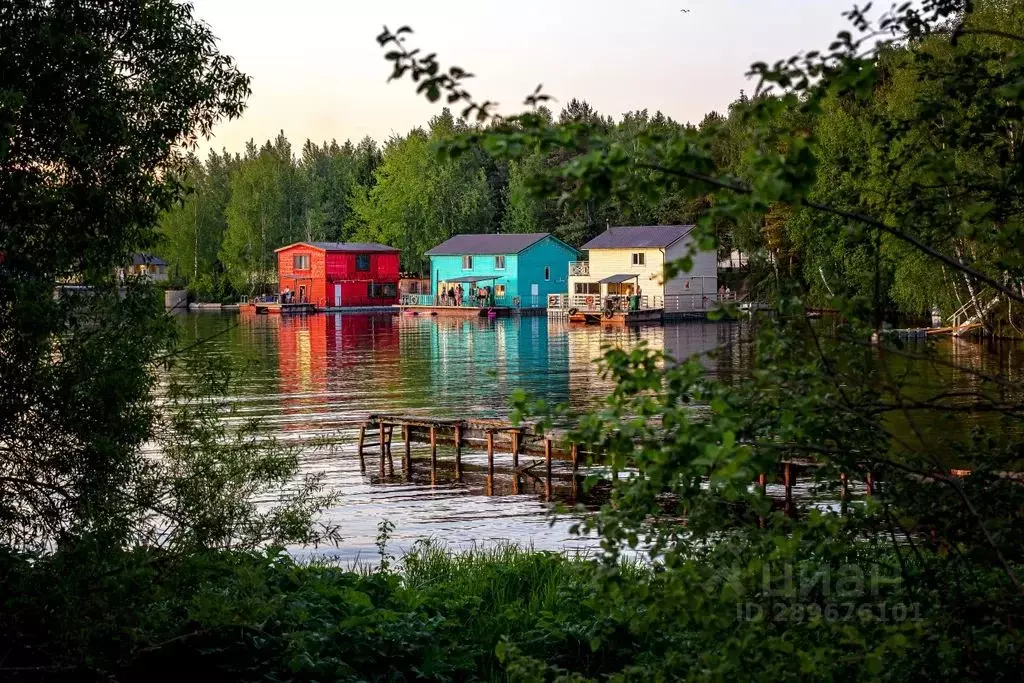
point(638, 236)
point(352, 246)
point(147, 260)
point(508, 243)
point(617, 279)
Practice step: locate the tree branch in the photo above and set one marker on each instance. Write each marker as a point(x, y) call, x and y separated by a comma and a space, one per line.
point(853, 216)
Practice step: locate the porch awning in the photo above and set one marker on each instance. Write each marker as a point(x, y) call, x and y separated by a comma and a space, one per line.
point(297, 277)
point(616, 279)
point(471, 278)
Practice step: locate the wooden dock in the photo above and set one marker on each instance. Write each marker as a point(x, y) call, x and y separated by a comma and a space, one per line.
point(500, 438)
point(511, 443)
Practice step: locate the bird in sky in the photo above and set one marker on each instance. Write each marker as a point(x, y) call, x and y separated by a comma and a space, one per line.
point(685, 11)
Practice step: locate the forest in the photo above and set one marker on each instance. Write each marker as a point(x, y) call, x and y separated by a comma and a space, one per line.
point(220, 238)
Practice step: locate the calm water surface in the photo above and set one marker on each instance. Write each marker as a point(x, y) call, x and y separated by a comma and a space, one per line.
point(314, 378)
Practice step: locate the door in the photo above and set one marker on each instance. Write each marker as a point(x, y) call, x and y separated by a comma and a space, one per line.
point(337, 294)
point(534, 294)
point(302, 294)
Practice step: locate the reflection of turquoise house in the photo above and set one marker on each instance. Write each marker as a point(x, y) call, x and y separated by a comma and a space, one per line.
point(513, 269)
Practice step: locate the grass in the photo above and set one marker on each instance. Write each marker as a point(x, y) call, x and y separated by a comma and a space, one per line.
point(435, 614)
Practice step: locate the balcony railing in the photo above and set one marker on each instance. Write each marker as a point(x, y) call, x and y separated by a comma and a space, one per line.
point(579, 268)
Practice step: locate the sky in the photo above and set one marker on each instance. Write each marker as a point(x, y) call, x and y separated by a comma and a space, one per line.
point(317, 71)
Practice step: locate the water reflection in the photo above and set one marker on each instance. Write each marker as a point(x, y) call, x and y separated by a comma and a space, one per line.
point(314, 379)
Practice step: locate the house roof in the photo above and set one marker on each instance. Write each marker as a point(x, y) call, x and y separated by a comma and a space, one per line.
point(147, 260)
point(639, 236)
point(507, 243)
point(617, 279)
point(361, 247)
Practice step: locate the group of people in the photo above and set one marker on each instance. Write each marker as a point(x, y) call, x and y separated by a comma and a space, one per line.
point(453, 296)
point(288, 297)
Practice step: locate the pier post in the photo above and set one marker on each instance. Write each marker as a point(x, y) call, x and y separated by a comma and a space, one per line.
point(575, 471)
point(762, 482)
point(362, 437)
point(490, 463)
point(383, 450)
point(547, 465)
point(407, 462)
point(433, 455)
point(515, 462)
point(870, 483)
point(391, 457)
point(844, 487)
point(458, 453)
point(787, 474)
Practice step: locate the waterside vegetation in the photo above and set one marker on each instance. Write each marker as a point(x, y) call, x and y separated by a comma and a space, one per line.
point(883, 171)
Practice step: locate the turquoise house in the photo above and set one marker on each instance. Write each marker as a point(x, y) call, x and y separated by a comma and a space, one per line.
point(515, 270)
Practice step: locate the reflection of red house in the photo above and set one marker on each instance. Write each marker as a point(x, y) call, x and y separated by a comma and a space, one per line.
point(339, 274)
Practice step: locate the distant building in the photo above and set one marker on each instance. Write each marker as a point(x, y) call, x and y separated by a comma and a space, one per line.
point(516, 268)
point(630, 260)
point(339, 274)
point(145, 266)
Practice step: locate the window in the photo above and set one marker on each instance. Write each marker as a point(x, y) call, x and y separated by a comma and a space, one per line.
point(499, 263)
point(383, 290)
point(300, 262)
point(499, 290)
point(547, 272)
point(467, 263)
point(638, 259)
point(362, 262)
point(587, 288)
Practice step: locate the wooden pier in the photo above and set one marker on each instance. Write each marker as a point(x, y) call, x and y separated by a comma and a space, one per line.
point(500, 439)
point(512, 443)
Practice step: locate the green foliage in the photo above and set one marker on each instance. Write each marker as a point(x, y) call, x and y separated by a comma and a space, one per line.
point(873, 174)
point(112, 436)
point(87, 157)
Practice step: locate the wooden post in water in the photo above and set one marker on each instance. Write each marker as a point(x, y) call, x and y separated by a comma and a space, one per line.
point(458, 453)
point(433, 455)
point(870, 483)
point(383, 451)
point(575, 471)
point(362, 437)
point(391, 457)
point(490, 463)
point(515, 462)
point(844, 487)
point(547, 465)
point(787, 474)
point(407, 462)
point(762, 481)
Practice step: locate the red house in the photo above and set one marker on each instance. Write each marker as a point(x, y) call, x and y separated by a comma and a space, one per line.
point(337, 274)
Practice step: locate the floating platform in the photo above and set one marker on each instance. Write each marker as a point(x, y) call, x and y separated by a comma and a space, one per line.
point(261, 308)
point(357, 309)
point(647, 316)
point(472, 311)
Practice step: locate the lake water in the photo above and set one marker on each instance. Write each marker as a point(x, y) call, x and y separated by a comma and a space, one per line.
point(312, 379)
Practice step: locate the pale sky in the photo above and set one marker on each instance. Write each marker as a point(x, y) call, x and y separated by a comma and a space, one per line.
point(317, 71)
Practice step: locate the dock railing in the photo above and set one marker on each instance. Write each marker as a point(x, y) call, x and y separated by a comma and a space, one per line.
point(593, 303)
point(442, 301)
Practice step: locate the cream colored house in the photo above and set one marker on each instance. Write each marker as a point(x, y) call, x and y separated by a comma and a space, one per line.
point(630, 261)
